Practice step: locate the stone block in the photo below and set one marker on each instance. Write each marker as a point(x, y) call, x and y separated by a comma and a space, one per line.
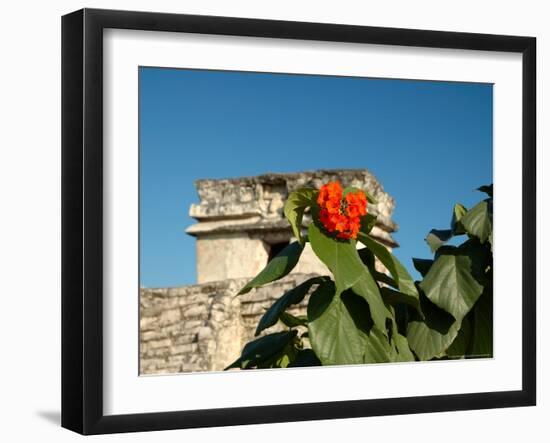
point(169, 317)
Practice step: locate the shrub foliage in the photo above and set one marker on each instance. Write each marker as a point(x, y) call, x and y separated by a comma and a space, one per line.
point(360, 315)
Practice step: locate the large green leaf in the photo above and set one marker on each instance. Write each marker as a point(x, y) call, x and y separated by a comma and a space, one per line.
point(296, 204)
point(400, 349)
point(478, 253)
point(430, 337)
point(450, 284)
point(263, 349)
point(340, 330)
point(460, 344)
point(332, 332)
point(341, 257)
point(367, 288)
point(478, 220)
point(292, 297)
point(437, 238)
point(377, 349)
point(404, 281)
point(349, 271)
point(482, 336)
point(277, 268)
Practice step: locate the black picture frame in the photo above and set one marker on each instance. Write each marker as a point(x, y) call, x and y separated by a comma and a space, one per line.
point(82, 218)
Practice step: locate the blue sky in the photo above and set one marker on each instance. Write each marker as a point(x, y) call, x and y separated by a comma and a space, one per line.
point(428, 143)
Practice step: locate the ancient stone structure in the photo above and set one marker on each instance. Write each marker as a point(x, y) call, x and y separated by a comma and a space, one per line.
point(240, 227)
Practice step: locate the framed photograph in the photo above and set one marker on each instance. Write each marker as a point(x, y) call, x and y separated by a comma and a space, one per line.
point(269, 221)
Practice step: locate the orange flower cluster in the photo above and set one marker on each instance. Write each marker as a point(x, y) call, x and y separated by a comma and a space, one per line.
point(341, 214)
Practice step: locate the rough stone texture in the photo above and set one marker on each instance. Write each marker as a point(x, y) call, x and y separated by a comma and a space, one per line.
point(239, 220)
point(204, 327)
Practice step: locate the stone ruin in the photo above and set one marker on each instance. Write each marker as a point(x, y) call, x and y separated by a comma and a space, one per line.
point(240, 227)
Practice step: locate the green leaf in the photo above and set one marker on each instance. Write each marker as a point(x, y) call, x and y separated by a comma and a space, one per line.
point(459, 211)
point(349, 271)
point(450, 284)
point(400, 349)
point(367, 257)
point(394, 297)
point(488, 189)
point(341, 257)
point(482, 340)
point(296, 204)
point(292, 297)
point(282, 359)
point(383, 278)
point(370, 198)
point(378, 349)
point(367, 288)
point(367, 223)
point(430, 337)
point(404, 281)
point(262, 349)
point(460, 344)
point(305, 358)
point(341, 331)
point(477, 221)
point(438, 237)
point(320, 300)
point(422, 265)
point(332, 332)
point(292, 321)
point(277, 268)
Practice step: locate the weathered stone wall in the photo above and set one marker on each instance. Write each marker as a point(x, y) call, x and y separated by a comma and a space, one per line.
point(204, 327)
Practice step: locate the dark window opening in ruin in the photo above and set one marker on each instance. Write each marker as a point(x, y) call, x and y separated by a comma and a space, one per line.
point(275, 248)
